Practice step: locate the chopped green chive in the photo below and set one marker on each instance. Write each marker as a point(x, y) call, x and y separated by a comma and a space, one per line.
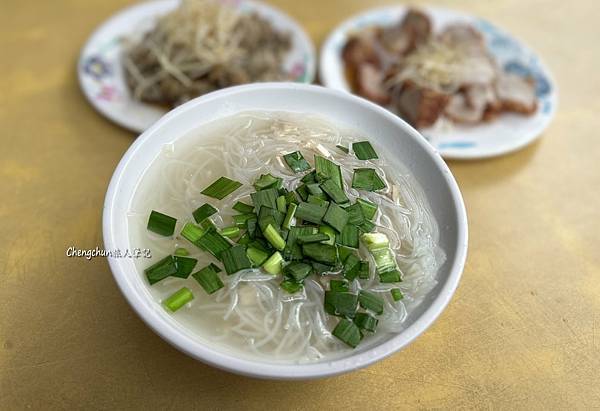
point(351, 267)
point(364, 150)
point(267, 181)
point(221, 188)
point(290, 198)
point(208, 278)
point(344, 252)
point(213, 242)
point(192, 232)
point(329, 232)
point(370, 301)
point(215, 268)
point(203, 212)
point(287, 221)
point(309, 177)
point(392, 276)
point(321, 268)
point(355, 214)
point(183, 252)
point(336, 217)
point(375, 241)
point(341, 304)
point(367, 179)
point(273, 237)
point(343, 148)
point(311, 212)
point(235, 259)
point(328, 170)
point(322, 253)
point(273, 263)
point(251, 224)
point(349, 236)
point(243, 208)
point(366, 322)
point(312, 238)
point(185, 266)
point(302, 191)
point(244, 239)
point(268, 216)
point(281, 204)
point(338, 285)
point(266, 197)
point(161, 270)
point(315, 189)
point(367, 226)
point(336, 193)
point(178, 299)
point(347, 332)
point(296, 162)
point(297, 271)
point(363, 270)
point(369, 209)
point(230, 232)
point(317, 200)
point(396, 294)
point(256, 256)
point(162, 224)
point(241, 220)
point(292, 250)
point(290, 286)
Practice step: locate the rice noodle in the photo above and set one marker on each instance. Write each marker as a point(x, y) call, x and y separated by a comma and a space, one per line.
point(252, 314)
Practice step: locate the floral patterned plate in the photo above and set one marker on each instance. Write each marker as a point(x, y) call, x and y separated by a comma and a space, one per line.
point(101, 74)
point(507, 133)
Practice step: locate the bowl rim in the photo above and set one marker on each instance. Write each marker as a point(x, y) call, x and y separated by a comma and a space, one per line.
point(285, 371)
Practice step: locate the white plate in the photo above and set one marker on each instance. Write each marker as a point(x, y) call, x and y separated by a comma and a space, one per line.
point(101, 74)
point(509, 132)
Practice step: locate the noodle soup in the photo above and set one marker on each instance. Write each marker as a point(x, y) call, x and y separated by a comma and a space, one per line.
point(260, 312)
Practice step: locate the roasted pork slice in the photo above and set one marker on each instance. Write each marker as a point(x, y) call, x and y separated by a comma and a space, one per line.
point(359, 50)
point(516, 94)
point(459, 110)
point(369, 83)
point(420, 106)
point(462, 35)
point(413, 30)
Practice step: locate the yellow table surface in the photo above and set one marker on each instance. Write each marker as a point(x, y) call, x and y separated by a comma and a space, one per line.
point(523, 330)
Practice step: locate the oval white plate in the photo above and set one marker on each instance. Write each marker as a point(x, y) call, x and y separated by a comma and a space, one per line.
point(100, 70)
point(509, 132)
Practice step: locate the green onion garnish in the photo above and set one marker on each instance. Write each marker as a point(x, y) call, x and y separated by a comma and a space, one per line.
point(256, 256)
point(312, 238)
point(161, 270)
point(366, 322)
point(215, 268)
point(370, 301)
point(185, 266)
point(296, 162)
point(336, 193)
point(364, 150)
point(290, 286)
point(347, 332)
point(355, 214)
point(292, 250)
point(251, 224)
point(241, 220)
point(344, 252)
point(343, 148)
point(338, 285)
point(321, 268)
point(349, 236)
point(208, 278)
point(192, 232)
point(267, 181)
point(230, 232)
point(342, 304)
point(235, 259)
point(302, 191)
point(297, 271)
point(243, 208)
point(369, 209)
point(375, 241)
point(315, 189)
point(367, 179)
point(162, 224)
point(203, 212)
point(290, 198)
point(396, 294)
point(322, 253)
point(221, 188)
point(328, 170)
point(266, 197)
point(309, 177)
point(281, 204)
point(311, 212)
point(336, 217)
point(291, 211)
point(321, 201)
point(367, 226)
point(392, 276)
point(363, 270)
point(351, 267)
point(268, 215)
point(213, 242)
point(273, 263)
point(244, 239)
point(329, 232)
point(273, 237)
point(178, 299)
point(181, 252)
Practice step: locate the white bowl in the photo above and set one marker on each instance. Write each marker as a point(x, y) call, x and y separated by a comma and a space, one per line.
point(340, 108)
